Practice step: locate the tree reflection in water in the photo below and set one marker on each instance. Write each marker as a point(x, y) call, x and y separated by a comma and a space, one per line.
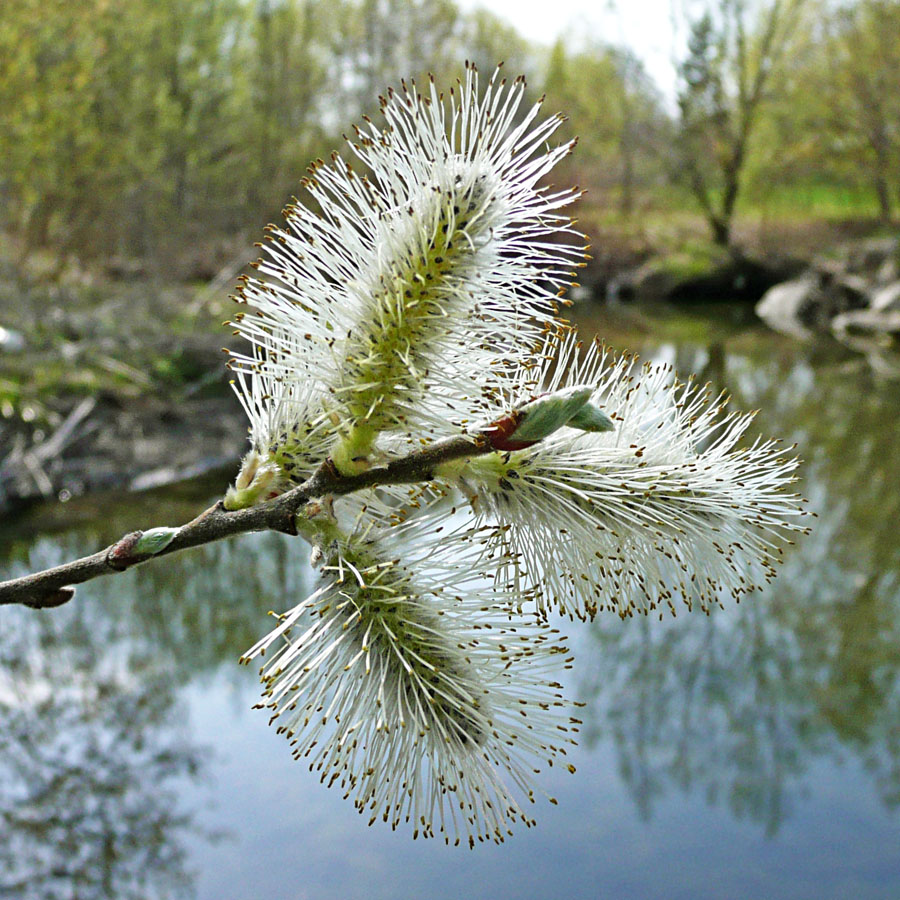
point(93, 738)
point(91, 750)
point(738, 706)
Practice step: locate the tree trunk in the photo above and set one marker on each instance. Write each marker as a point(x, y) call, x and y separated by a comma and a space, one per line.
point(721, 230)
point(880, 143)
point(883, 192)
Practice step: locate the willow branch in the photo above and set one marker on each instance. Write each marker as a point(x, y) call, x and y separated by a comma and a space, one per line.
point(55, 586)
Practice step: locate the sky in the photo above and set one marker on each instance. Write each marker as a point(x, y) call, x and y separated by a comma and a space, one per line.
point(643, 25)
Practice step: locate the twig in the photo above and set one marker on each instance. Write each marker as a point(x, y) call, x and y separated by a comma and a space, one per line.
point(34, 459)
point(41, 479)
point(54, 587)
point(63, 435)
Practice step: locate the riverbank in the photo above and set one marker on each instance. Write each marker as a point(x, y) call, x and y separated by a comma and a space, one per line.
point(110, 384)
point(118, 382)
point(669, 257)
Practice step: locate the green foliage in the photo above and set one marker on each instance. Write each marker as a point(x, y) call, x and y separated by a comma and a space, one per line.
point(836, 128)
point(623, 136)
point(117, 118)
point(154, 128)
point(167, 130)
point(732, 66)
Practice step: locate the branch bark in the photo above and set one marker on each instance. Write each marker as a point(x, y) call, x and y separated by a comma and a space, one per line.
point(55, 586)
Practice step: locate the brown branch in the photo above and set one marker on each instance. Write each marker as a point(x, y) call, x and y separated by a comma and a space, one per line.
point(55, 586)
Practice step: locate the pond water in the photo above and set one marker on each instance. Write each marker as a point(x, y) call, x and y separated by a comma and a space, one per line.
point(753, 753)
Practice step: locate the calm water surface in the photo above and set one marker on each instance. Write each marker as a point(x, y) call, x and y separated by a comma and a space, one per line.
point(754, 753)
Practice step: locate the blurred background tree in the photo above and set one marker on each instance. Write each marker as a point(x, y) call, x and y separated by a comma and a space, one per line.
point(734, 54)
point(161, 133)
point(864, 110)
point(622, 141)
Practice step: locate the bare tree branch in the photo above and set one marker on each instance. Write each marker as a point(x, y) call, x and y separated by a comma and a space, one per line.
point(54, 587)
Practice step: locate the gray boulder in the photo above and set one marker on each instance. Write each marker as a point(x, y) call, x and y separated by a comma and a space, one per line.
point(870, 325)
point(11, 341)
point(888, 271)
point(790, 307)
point(808, 304)
point(887, 299)
point(868, 256)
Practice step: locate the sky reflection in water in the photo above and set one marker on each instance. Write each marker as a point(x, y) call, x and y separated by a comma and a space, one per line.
point(752, 753)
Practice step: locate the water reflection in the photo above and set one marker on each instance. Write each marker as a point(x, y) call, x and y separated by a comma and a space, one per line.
point(92, 748)
point(737, 707)
point(745, 709)
point(95, 746)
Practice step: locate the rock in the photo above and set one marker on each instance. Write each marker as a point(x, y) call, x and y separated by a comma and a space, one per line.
point(649, 282)
point(734, 278)
point(883, 327)
point(11, 341)
point(884, 363)
point(582, 293)
point(809, 303)
point(849, 289)
point(867, 257)
point(887, 299)
point(791, 307)
point(699, 275)
point(889, 270)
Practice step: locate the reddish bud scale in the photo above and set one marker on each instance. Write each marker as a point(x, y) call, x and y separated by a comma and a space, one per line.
point(121, 556)
point(500, 433)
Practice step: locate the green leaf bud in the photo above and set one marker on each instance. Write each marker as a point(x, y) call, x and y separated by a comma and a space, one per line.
point(591, 418)
point(545, 414)
point(154, 541)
